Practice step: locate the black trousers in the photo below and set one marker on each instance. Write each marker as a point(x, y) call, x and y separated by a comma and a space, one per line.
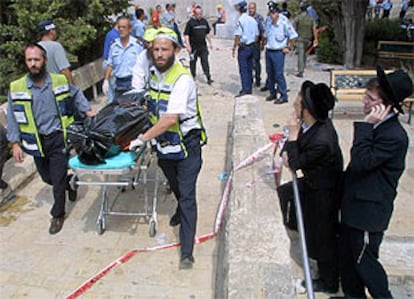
point(257, 67)
point(203, 54)
point(359, 265)
point(182, 176)
point(53, 170)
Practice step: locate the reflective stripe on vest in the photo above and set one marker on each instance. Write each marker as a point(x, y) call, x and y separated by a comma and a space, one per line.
point(170, 144)
point(22, 109)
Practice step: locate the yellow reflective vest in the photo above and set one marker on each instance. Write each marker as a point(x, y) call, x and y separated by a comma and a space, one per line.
point(170, 144)
point(22, 109)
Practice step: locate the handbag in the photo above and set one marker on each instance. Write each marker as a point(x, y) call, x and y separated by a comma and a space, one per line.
point(287, 202)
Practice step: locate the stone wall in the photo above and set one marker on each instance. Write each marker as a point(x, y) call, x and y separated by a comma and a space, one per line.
point(254, 260)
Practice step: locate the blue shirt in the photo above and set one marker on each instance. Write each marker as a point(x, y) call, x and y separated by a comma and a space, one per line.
point(138, 29)
point(260, 22)
point(277, 35)
point(121, 59)
point(247, 29)
point(109, 39)
point(44, 108)
point(312, 12)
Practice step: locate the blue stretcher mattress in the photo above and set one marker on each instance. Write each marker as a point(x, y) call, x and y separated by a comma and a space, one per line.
point(121, 161)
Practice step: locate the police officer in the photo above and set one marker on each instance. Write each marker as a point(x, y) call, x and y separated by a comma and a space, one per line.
point(178, 132)
point(246, 36)
point(278, 39)
point(40, 107)
point(121, 59)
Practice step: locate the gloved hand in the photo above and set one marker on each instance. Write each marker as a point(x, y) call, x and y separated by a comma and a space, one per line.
point(105, 87)
point(137, 143)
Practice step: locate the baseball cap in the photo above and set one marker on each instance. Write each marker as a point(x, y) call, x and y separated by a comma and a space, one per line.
point(45, 25)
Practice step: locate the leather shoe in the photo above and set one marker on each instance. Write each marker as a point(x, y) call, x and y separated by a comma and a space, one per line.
point(72, 193)
point(186, 261)
point(270, 98)
point(320, 286)
point(299, 75)
point(56, 225)
point(209, 81)
point(257, 84)
point(280, 101)
point(243, 93)
point(175, 219)
point(264, 88)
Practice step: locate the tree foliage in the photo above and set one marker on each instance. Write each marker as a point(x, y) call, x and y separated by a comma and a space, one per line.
point(81, 27)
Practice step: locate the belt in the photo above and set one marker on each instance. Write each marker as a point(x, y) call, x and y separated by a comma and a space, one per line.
point(247, 45)
point(51, 135)
point(271, 50)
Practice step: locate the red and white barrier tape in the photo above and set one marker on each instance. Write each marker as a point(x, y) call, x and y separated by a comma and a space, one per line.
point(276, 139)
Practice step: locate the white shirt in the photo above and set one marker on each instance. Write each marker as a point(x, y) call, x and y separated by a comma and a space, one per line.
point(141, 72)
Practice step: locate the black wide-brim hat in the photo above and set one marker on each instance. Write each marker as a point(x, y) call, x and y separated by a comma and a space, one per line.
point(396, 85)
point(319, 100)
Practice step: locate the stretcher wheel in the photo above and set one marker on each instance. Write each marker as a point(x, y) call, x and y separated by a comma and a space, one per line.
point(152, 228)
point(101, 226)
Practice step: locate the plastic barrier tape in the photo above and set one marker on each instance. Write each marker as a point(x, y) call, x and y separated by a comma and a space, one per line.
point(276, 139)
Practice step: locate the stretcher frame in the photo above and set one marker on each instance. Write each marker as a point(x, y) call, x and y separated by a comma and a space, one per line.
point(128, 177)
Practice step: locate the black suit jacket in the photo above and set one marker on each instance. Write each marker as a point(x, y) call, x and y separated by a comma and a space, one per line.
point(318, 155)
point(371, 179)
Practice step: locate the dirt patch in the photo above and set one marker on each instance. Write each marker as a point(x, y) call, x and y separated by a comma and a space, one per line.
point(11, 209)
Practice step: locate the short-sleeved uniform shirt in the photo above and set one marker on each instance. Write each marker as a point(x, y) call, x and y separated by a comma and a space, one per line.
point(56, 56)
point(247, 28)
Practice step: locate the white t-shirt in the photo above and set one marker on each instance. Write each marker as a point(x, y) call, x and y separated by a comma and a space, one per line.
point(56, 56)
point(141, 72)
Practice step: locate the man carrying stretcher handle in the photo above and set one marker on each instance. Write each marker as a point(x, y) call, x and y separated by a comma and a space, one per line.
point(178, 133)
point(40, 107)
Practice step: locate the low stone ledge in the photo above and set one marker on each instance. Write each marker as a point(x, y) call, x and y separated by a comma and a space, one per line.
point(256, 262)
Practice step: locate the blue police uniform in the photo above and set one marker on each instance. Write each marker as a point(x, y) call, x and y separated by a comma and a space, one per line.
point(277, 37)
point(122, 60)
point(138, 29)
point(248, 31)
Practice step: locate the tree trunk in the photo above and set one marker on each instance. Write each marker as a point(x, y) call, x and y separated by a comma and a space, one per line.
point(353, 12)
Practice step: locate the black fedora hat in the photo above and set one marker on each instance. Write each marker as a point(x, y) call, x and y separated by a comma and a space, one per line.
point(396, 85)
point(319, 100)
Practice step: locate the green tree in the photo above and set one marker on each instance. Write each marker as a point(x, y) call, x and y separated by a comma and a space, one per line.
point(82, 25)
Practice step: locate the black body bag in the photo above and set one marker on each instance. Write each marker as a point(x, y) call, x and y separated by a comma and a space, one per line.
point(109, 131)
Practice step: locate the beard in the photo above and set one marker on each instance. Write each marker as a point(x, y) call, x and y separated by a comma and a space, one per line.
point(37, 75)
point(163, 67)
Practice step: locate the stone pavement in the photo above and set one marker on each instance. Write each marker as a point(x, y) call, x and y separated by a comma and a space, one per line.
point(34, 264)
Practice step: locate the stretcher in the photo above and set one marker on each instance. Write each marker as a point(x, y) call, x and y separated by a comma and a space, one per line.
point(120, 172)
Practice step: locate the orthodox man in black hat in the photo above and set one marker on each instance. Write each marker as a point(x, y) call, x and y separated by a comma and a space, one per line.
point(371, 179)
point(313, 147)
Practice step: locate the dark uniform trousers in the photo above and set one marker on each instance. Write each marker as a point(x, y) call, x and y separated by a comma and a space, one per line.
point(245, 59)
point(182, 176)
point(53, 169)
point(359, 264)
point(203, 54)
point(257, 67)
